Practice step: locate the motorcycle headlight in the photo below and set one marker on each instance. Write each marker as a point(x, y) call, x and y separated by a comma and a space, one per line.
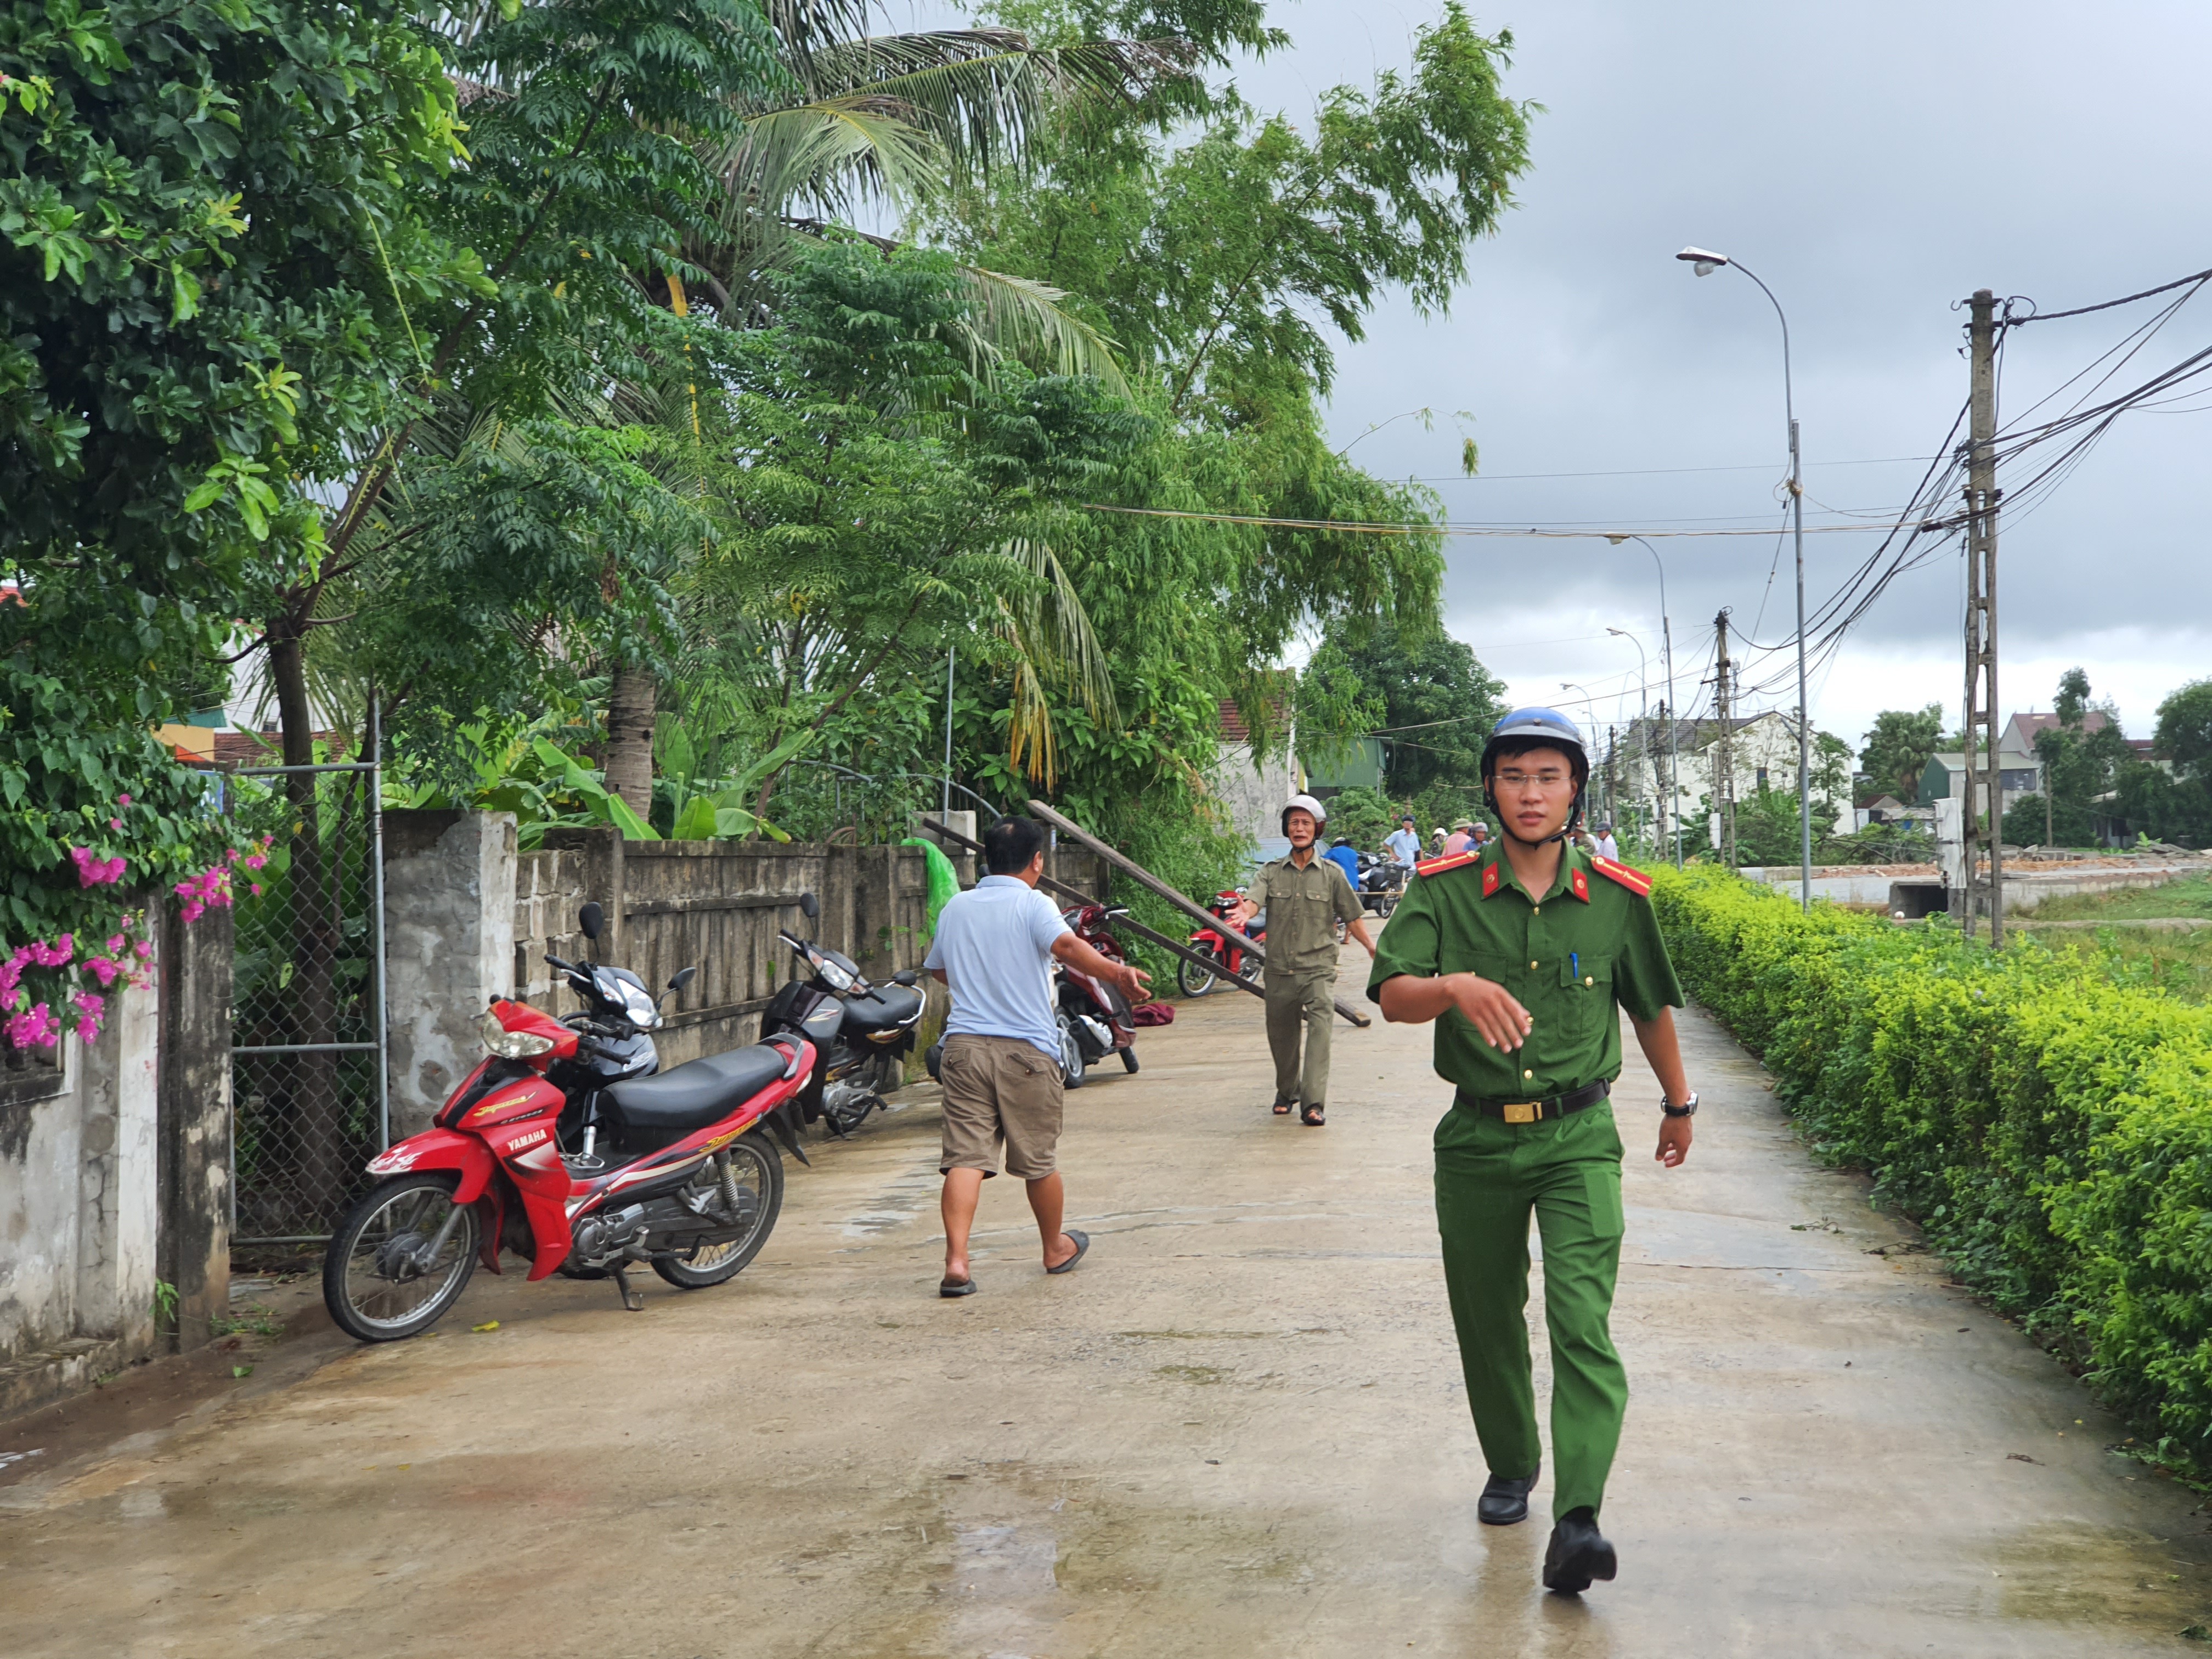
point(513, 1045)
point(832, 975)
point(637, 1003)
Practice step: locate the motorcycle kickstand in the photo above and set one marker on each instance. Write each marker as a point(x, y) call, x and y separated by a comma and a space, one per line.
point(633, 1301)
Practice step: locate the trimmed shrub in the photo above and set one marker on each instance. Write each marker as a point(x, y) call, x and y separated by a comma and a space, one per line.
point(2050, 1129)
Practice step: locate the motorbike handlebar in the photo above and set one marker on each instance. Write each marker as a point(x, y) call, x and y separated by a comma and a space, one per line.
point(565, 967)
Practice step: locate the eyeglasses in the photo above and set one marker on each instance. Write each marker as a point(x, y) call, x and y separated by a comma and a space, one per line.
point(1550, 778)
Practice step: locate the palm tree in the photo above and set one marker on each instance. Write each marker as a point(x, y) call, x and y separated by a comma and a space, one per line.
point(890, 122)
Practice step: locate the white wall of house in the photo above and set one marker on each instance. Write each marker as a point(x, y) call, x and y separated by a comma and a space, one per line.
point(1251, 795)
point(1769, 742)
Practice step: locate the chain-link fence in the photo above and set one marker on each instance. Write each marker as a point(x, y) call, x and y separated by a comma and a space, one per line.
point(307, 1057)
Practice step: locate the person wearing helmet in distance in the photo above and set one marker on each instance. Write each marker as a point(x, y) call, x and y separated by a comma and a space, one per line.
point(1521, 951)
point(1304, 896)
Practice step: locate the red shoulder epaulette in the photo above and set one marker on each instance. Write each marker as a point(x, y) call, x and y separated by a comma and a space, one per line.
point(1450, 861)
point(1634, 880)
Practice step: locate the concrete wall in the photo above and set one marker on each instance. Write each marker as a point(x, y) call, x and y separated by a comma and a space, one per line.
point(113, 1175)
point(469, 917)
point(1251, 796)
point(449, 912)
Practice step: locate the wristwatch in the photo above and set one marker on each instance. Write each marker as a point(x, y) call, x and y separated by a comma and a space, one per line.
point(1687, 1109)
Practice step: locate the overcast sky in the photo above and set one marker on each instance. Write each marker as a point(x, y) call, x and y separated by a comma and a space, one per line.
point(1875, 163)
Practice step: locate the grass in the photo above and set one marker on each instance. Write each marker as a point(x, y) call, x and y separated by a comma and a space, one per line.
point(2179, 964)
point(2189, 897)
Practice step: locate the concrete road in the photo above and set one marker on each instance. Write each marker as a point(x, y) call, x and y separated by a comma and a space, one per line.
point(1237, 1430)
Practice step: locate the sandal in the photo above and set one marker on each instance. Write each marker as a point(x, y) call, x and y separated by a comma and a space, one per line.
point(1082, 1243)
point(1311, 1117)
point(1283, 1105)
point(956, 1287)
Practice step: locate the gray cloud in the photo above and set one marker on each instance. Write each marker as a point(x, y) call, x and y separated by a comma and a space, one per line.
point(1875, 163)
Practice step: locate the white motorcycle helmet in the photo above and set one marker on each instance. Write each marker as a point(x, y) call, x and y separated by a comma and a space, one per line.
point(1308, 805)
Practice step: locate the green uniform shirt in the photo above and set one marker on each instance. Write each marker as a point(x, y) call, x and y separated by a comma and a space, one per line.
point(1302, 906)
point(1568, 956)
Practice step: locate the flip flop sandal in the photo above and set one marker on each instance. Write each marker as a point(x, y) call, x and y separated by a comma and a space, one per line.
point(956, 1287)
point(1285, 1107)
point(1311, 1117)
point(1082, 1243)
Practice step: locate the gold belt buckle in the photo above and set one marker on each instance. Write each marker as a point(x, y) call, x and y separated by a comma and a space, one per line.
point(1524, 1111)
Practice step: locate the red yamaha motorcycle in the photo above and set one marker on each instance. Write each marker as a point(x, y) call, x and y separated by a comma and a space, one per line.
point(1228, 957)
point(1094, 1018)
point(565, 1148)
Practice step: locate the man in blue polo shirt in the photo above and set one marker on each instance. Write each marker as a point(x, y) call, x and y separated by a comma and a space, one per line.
point(1000, 1071)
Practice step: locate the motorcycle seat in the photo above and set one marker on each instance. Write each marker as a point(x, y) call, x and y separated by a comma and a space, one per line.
point(692, 1096)
point(884, 1008)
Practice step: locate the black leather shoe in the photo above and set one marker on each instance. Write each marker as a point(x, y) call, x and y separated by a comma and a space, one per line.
point(1577, 1554)
point(1504, 1501)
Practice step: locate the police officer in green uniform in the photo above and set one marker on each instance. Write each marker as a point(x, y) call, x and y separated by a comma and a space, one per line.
point(1520, 951)
point(1304, 896)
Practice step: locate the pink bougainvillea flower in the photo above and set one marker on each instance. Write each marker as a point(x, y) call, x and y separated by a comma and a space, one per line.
point(103, 970)
point(255, 860)
point(255, 889)
point(114, 942)
point(36, 1029)
point(94, 870)
point(123, 800)
point(91, 1010)
point(43, 955)
point(115, 824)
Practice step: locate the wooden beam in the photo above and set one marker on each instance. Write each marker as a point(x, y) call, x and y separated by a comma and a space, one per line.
point(1137, 872)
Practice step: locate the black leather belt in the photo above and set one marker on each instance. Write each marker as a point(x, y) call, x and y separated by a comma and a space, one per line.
point(1535, 1111)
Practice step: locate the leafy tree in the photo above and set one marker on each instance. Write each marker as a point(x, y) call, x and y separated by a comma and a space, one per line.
point(1363, 817)
point(1423, 691)
point(2082, 769)
point(205, 218)
point(1894, 754)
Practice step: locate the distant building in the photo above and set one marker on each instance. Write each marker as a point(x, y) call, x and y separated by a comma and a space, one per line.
point(1250, 792)
point(1762, 754)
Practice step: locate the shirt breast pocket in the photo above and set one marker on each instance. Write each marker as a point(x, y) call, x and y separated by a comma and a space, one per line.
point(1585, 992)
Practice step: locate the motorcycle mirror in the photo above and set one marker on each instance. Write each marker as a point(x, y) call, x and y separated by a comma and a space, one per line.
point(808, 906)
point(683, 977)
point(591, 918)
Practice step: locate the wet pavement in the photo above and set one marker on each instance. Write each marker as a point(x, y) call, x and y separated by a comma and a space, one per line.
point(1238, 1429)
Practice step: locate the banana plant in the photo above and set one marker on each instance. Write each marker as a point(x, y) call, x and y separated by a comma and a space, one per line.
point(714, 808)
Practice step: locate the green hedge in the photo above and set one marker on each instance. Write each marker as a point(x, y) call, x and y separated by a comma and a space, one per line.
point(2051, 1129)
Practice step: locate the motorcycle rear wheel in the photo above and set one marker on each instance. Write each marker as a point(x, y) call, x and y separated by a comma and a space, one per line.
point(373, 1294)
point(1128, 1060)
point(1195, 981)
point(758, 1168)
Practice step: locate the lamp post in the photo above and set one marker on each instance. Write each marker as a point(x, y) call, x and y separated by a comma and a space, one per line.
point(1704, 261)
point(1589, 707)
point(1674, 751)
point(1644, 710)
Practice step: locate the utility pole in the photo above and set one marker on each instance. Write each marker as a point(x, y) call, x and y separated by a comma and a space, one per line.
point(1985, 782)
point(1724, 763)
point(1612, 789)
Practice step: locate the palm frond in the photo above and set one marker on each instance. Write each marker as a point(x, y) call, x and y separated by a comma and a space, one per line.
point(830, 152)
point(984, 93)
point(1021, 317)
point(1047, 631)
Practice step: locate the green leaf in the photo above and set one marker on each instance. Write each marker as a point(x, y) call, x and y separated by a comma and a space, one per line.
point(697, 821)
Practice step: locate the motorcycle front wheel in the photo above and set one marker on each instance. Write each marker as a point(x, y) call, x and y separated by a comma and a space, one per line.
point(382, 1279)
point(1195, 981)
point(757, 1167)
point(1073, 1069)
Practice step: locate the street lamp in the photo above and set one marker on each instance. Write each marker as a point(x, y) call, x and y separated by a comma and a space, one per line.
point(1589, 708)
point(1667, 633)
point(1644, 711)
point(1704, 261)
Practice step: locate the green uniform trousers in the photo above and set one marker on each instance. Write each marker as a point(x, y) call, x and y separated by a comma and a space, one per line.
point(1490, 1175)
point(1293, 999)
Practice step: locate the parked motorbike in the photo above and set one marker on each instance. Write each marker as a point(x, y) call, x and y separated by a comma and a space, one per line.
point(1382, 883)
point(568, 1147)
point(1230, 958)
point(1094, 1018)
point(875, 1034)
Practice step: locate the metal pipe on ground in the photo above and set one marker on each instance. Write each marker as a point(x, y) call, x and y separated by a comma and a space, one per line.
point(1127, 924)
point(1067, 826)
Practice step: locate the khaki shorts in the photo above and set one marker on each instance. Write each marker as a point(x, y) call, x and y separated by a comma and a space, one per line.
point(999, 1088)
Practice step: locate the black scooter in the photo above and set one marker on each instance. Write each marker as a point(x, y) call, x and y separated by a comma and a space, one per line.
point(875, 1031)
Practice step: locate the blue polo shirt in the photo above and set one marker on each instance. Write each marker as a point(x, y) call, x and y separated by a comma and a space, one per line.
point(994, 943)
